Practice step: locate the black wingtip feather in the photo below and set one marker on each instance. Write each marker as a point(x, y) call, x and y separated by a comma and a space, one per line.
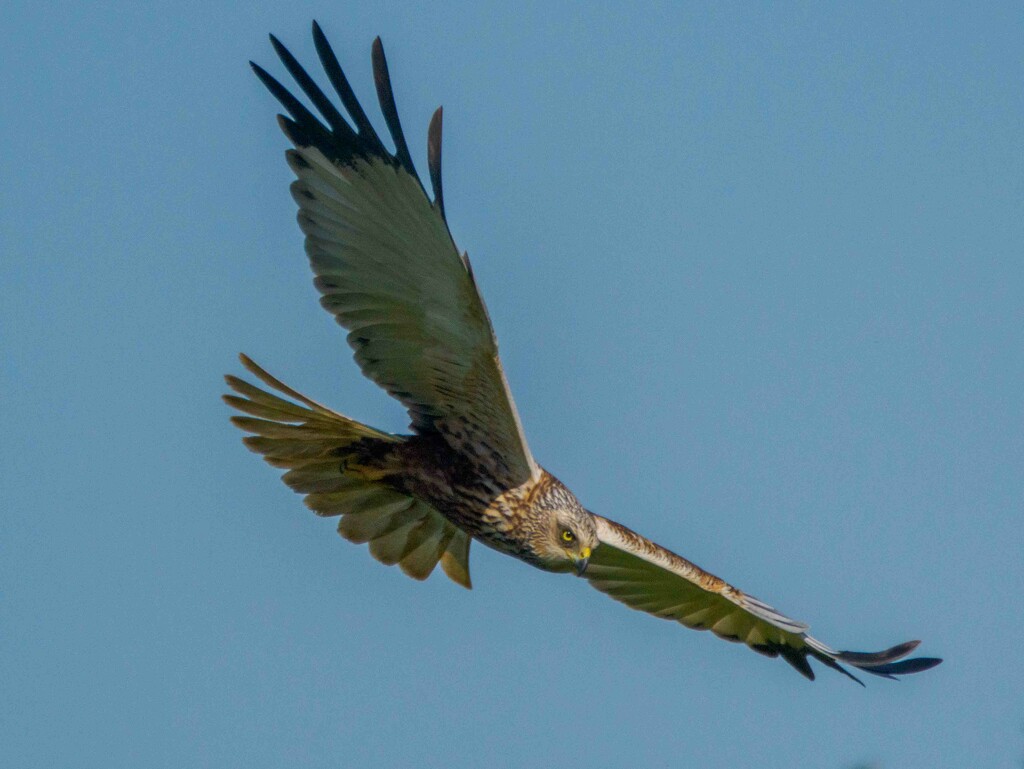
point(876, 658)
point(845, 672)
point(304, 121)
point(296, 134)
point(386, 97)
point(906, 667)
point(336, 75)
point(434, 158)
point(283, 95)
point(337, 139)
point(798, 659)
point(888, 663)
point(312, 90)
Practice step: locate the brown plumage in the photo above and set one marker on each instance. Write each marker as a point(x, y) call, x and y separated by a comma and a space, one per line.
point(387, 268)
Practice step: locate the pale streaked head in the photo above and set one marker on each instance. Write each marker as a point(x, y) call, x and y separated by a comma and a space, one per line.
point(563, 534)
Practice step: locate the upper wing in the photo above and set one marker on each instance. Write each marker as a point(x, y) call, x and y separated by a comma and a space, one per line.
point(389, 271)
point(646, 576)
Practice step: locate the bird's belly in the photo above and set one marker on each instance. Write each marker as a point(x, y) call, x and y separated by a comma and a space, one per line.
point(479, 508)
point(492, 513)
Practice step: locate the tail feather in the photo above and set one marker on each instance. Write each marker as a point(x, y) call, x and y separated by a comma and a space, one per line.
point(271, 381)
point(455, 558)
point(320, 450)
point(289, 453)
point(304, 432)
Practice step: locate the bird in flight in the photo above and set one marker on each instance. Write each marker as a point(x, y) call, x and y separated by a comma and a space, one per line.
point(388, 270)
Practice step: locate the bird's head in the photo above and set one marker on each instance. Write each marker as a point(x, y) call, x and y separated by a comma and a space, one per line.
point(563, 535)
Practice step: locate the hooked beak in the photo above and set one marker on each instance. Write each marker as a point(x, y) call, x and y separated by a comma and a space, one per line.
point(582, 561)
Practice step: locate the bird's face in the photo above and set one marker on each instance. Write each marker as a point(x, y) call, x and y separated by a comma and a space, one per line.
point(566, 540)
point(577, 537)
point(558, 533)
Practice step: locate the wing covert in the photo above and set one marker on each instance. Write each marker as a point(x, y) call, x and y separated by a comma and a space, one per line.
point(647, 577)
point(388, 270)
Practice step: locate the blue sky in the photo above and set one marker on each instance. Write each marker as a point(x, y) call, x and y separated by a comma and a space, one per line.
point(756, 271)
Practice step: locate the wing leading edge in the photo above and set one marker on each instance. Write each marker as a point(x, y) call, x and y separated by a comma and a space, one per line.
point(647, 577)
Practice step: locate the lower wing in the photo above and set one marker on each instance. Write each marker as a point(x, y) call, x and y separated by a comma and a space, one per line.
point(645, 576)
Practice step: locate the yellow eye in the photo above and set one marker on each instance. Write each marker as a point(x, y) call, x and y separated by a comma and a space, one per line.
point(568, 536)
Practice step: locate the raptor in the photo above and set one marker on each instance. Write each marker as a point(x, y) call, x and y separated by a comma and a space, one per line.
point(388, 270)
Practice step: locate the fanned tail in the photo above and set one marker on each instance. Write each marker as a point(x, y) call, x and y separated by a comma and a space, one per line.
point(324, 452)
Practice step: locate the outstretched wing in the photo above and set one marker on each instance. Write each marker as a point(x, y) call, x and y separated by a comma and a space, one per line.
point(389, 271)
point(646, 576)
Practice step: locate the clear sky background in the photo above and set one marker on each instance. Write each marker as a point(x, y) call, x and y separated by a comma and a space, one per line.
point(756, 271)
